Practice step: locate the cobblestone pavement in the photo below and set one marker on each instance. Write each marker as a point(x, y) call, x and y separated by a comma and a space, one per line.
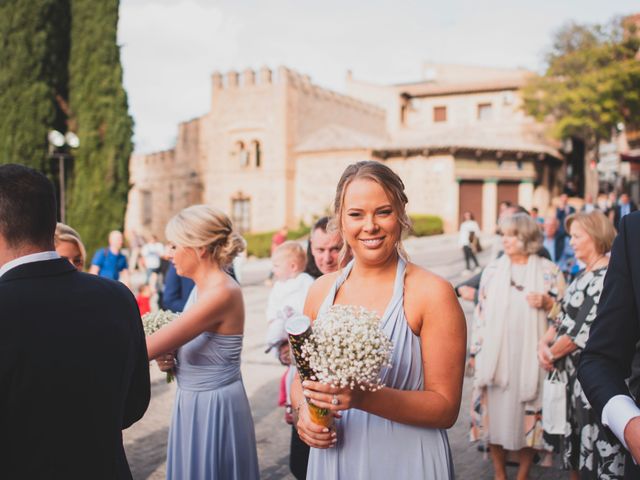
point(146, 441)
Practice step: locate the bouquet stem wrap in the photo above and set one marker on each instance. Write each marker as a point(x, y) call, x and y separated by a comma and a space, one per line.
point(299, 331)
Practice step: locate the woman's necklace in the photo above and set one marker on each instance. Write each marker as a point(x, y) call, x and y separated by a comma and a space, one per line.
point(592, 264)
point(518, 287)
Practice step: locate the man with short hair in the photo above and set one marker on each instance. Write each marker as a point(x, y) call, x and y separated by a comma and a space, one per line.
point(625, 207)
point(73, 361)
point(110, 262)
point(557, 244)
point(323, 249)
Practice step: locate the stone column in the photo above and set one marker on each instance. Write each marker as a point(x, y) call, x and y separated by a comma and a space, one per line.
point(525, 193)
point(451, 220)
point(489, 205)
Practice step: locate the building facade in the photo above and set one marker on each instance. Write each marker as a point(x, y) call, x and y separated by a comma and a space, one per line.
point(273, 146)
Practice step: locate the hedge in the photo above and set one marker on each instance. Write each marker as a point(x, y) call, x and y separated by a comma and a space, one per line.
point(425, 225)
point(259, 244)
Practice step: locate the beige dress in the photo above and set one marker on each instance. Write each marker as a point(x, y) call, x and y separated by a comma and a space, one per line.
point(505, 409)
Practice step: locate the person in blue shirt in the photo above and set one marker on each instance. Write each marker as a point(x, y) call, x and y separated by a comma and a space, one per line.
point(110, 262)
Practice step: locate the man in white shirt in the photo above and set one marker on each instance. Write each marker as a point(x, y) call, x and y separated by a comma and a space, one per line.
point(607, 359)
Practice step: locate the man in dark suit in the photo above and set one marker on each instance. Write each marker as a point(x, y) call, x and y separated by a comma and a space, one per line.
point(625, 207)
point(606, 361)
point(73, 361)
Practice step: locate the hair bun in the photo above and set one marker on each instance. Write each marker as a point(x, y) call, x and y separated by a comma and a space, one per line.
point(230, 248)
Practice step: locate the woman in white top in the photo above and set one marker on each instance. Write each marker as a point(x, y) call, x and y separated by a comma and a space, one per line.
point(469, 226)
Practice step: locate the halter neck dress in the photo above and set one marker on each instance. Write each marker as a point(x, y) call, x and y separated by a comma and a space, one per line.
point(371, 447)
point(212, 434)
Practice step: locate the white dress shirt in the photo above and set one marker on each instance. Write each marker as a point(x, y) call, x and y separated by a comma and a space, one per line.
point(617, 413)
point(33, 257)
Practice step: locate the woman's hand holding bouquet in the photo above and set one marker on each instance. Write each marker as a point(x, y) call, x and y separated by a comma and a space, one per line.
point(338, 361)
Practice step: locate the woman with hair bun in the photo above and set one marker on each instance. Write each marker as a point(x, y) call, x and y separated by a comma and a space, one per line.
point(212, 433)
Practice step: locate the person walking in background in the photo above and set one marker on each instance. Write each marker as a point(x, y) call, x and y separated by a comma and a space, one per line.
point(73, 361)
point(176, 290)
point(152, 253)
point(399, 430)
point(592, 235)
point(516, 293)
point(607, 359)
point(69, 245)
point(110, 262)
point(563, 211)
point(588, 205)
point(468, 238)
point(212, 433)
point(625, 207)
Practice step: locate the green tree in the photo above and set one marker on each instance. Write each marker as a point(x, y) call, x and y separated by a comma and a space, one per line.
point(99, 115)
point(34, 52)
point(591, 83)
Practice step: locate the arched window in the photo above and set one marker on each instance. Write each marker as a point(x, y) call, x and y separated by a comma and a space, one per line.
point(242, 154)
point(257, 153)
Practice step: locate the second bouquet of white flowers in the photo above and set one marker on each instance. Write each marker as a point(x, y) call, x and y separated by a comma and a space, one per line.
point(348, 348)
point(154, 321)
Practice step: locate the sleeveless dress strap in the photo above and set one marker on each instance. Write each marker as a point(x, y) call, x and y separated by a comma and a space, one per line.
point(398, 286)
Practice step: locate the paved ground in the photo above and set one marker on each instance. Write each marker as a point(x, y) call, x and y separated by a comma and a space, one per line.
point(146, 441)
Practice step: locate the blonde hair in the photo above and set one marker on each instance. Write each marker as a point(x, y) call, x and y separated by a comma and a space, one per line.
point(201, 226)
point(294, 252)
point(597, 226)
point(392, 185)
point(64, 233)
point(525, 229)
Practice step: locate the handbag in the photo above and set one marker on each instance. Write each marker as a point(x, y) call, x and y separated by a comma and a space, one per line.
point(554, 403)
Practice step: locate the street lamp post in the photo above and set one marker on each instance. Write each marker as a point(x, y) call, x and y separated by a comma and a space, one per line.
point(57, 142)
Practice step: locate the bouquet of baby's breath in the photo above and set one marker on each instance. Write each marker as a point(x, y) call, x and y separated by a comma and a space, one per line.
point(345, 348)
point(348, 348)
point(154, 321)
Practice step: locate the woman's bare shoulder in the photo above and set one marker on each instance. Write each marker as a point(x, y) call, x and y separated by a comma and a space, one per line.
point(424, 283)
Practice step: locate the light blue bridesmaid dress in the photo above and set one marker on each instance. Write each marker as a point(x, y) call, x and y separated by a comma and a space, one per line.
point(371, 447)
point(212, 434)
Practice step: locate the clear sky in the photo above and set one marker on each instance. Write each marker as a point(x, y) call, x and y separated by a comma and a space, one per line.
point(171, 47)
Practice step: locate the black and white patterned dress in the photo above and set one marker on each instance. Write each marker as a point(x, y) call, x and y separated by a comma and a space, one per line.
point(586, 448)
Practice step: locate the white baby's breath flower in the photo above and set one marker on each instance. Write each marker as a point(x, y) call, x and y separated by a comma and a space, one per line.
point(154, 321)
point(348, 348)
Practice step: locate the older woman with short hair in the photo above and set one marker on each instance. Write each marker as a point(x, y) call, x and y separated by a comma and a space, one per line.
point(586, 450)
point(516, 293)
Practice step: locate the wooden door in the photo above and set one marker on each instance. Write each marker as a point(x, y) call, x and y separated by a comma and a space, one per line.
point(507, 192)
point(471, 200)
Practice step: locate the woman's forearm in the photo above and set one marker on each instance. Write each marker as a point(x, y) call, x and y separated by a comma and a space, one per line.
point(420, 408)
point(563, 347)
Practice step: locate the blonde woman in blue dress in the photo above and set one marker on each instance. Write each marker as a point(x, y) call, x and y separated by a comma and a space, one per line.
point(398, 431)
point(212, 434)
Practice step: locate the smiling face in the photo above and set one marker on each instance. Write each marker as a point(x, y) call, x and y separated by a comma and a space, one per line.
point(582, 244)
point(369, 222)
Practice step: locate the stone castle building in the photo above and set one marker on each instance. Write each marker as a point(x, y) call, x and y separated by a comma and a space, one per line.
point(273, 145)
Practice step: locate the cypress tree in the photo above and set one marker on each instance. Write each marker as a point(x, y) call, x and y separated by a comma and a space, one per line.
point(34, 52)
point(99, 115)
